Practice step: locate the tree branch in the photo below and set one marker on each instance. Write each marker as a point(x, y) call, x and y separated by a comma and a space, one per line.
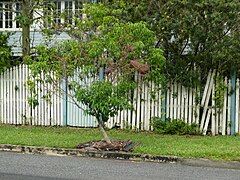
point(185, 45)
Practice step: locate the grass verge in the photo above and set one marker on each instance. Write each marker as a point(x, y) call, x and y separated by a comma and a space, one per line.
point(216, 148)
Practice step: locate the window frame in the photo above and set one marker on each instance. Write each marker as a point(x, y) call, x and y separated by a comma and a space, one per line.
point(65, 10)
point(33, 27)
point(12, 20)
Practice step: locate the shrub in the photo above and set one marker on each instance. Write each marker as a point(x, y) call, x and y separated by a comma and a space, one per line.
point(175, 126)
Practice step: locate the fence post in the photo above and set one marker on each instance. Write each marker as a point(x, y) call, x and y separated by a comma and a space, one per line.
point(101, 78)
point(65, 100)
point(233, 101)
point(163, 104)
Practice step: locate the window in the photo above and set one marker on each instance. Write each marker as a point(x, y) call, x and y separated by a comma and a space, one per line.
point(69, 12)
point(8, 16)
point(8, 13)
point(57, 12)
point(63, 12)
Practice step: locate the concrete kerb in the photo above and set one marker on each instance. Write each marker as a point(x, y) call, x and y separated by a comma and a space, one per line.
point(80, 153)
point(119, 156)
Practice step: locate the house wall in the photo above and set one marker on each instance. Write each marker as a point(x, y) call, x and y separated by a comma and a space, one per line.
point(37, 38)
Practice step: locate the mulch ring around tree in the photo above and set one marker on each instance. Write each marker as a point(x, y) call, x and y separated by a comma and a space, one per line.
point(116, 145)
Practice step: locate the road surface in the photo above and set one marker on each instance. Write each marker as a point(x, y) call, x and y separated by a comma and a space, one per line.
point(39, 167)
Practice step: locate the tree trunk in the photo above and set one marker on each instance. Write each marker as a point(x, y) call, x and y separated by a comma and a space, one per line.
point(26, 23)
point(101, 127)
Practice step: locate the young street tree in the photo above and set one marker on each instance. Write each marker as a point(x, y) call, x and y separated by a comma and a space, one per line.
point(100, 41)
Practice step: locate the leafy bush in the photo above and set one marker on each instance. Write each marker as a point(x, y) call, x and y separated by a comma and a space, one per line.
point(175, 126)
point(5, 52)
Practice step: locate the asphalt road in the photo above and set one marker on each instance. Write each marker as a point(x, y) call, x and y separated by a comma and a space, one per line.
point(38, 167)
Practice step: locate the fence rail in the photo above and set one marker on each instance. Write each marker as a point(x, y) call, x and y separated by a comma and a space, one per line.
point(177, 102)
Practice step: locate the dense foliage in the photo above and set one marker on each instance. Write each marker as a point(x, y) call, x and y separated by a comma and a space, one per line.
point(193, 34)
point(175, 126)
point(5, 52)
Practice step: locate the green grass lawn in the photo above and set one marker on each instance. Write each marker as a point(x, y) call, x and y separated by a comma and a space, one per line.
point(218, 147)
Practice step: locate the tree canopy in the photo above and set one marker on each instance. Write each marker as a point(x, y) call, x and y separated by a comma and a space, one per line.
point(5, 52)
point(203, 34)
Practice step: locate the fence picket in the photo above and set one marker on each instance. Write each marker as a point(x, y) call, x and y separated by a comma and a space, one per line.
point(152, 99)
point(237, 107)
point(213, 124)
point(207, 121)
point(224, 109)
point(157, 105)
point(159, 102)
point(209, 91)
point(147, 107)
point(179, 90)
point(1, 98)
point(167, 102)
point(190, 106)
point(171, 101)
point(229, 107)
point(138, 107)
point(194, 106)
point(5, 96)
point(198, 106)
point(186, 106)
point(27, 94)
point(182, 103)
point(142, 104)
point(175, 92)
point(206, 88)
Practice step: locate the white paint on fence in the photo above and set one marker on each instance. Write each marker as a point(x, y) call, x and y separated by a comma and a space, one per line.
point(206, 88)
point(206, 102)
point(14, 95)
point(209, 111)
point(224, 121)
point(179, 92)
point(229, 107)
point(179, 103)
point(190, 107)
point(237, 107)
point(213, 125)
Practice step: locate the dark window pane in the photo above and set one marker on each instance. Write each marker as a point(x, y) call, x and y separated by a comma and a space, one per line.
point(18, 9)
point(68, 12)
point(8, 16)
point(1, 16)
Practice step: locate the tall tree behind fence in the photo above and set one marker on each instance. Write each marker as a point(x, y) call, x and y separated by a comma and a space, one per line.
point(177, 102)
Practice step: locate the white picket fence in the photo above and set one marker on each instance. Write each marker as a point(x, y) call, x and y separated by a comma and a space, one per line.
point(181, 103)
point(178, 102)
point(14, 106)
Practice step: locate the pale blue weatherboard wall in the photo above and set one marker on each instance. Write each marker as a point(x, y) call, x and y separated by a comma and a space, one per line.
point(37, 38)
